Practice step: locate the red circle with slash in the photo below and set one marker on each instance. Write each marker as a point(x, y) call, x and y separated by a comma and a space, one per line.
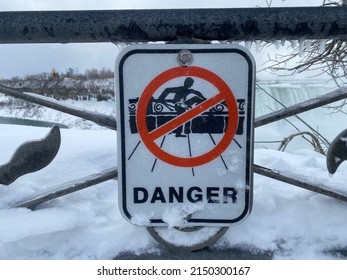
point(224, 94)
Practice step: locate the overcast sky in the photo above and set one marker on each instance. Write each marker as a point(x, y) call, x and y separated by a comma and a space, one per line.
point(20, 60)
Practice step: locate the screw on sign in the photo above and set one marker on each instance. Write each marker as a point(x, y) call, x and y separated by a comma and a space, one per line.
point(224, 95)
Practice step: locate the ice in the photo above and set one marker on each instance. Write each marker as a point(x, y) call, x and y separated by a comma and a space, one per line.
point(277, 44)
point(257, 46)
point(308, 44)
point(301, 47)
point(120, 45)
point(248, 45)
point(322, 44)
point(293, 44)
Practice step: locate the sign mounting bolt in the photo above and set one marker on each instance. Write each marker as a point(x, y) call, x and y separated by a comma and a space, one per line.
point(185, 58)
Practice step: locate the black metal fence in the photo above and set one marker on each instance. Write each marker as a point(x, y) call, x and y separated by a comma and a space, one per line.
point(188, 25)
point(173, 24)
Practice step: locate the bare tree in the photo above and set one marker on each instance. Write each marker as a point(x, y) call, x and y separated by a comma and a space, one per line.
point(327, 56)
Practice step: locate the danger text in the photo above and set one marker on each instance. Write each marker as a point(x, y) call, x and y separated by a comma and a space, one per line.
point(181, 195)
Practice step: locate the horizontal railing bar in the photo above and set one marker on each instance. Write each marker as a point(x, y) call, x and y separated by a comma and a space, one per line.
point(172, 24)
point(305, 106)
point(304, 182)
point(100, 119)
point(67, 188)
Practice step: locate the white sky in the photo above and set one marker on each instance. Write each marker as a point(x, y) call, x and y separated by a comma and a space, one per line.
point(20, 60)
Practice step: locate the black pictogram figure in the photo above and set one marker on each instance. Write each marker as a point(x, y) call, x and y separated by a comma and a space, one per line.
point(184, 98)
point(213, 121)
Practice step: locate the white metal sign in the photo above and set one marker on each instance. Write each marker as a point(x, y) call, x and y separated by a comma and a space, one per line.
point(185, 134)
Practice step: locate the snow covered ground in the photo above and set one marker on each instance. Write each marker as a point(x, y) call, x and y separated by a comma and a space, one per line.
point(289, 222)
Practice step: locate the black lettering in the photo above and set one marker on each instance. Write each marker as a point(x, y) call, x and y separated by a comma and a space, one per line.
point(178, 195)
point(229, 193)
point(158, 195)
point(154, 271)
point(212, 192)
point(197, 197)
point(140, 198)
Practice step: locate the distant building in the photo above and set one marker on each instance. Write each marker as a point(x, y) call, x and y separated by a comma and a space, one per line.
point(72, 71)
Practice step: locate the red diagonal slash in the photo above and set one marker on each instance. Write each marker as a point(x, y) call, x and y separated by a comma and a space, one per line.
point(224, 94)
point(186, 116)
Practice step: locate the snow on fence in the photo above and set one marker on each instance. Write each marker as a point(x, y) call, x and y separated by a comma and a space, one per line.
point(241, 24)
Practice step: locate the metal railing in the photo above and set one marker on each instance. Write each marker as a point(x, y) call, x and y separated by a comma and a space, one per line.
point(178, 25)
point(169, 25)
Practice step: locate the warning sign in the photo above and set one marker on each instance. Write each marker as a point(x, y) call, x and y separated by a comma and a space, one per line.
point(185, 134)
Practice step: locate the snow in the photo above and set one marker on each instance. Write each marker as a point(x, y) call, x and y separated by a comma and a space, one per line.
point(291, 222)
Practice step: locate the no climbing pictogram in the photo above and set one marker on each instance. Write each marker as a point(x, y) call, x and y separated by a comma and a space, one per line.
point(185, 134)
point(187, 110)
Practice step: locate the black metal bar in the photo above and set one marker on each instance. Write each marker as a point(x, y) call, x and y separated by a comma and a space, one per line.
point(173, 24)
point(307, 105)
point(67, 188)
point(100, 119)
point(300, 181)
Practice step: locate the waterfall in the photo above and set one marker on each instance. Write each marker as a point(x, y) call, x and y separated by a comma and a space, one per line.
point(269, 97)
point(287, 93)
